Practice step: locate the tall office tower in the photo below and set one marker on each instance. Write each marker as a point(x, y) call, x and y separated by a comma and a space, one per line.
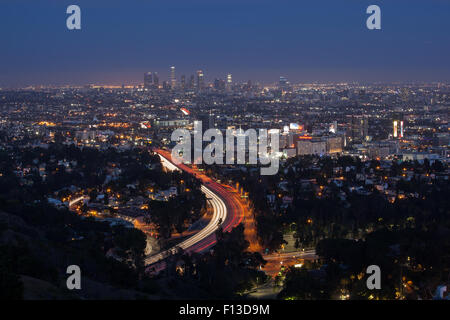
point(155, 79)
point(359, 128)
point(148, 80)
point(397, 123)
point(365, 127)
point(191, 83)
point(166, 85)
point(283, 83)
point(229, 82)
point(200, 80)
point(219, 84)
point(183, 82)
point(173, 79)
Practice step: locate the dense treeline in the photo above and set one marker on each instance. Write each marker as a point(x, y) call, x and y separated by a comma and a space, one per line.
point(228, 271)
point(40, 241)
point(392, 214)
point(413, 262)
point(177, 213)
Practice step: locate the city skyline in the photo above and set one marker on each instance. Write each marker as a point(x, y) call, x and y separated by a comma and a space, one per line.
point(218, 157)
point(176, 80)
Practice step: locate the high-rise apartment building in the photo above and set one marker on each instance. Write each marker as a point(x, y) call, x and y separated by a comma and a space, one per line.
point(359, 128)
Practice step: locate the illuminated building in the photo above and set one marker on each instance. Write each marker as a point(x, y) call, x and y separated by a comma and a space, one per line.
point(171, 123)
point(359, 128)
point(283, 83)
point(397, 126)
point(183, 82)
point(155, 79)
point(173, 79)
point(229, 82)
point(333, 127)
point(148, 80)
point(191, 84)
point(284, 140)
point(200, 80)
point(311, 146)
point(334, 144)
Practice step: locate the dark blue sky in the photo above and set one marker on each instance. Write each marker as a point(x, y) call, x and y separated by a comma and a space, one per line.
point(316, 40)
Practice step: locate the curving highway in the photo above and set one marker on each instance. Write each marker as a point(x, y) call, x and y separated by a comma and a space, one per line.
point(226, 208)
point(219, 214)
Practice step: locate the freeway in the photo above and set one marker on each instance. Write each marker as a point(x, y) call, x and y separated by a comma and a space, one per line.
point(286, 255)
point(287, 259)
point(226, 208)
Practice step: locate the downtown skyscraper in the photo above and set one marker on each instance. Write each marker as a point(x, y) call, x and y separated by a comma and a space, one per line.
point(200, 80)
point(151, 80)
point(148, 80)
point(172, 78)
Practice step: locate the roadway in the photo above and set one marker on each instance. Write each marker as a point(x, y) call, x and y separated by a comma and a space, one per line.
point(295, 255)
point(227, 205)
point(286, 259)
point(226, 208)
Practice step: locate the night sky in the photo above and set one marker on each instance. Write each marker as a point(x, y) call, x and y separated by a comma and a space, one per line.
point(320, 40)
